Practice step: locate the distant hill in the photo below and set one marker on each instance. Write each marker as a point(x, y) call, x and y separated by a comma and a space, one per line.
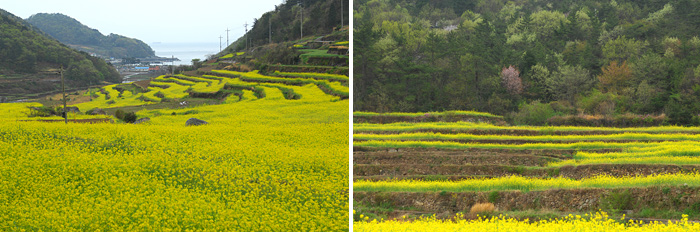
point(29, 60)
point(73, 33)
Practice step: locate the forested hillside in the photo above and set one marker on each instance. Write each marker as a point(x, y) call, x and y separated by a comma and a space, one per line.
point(27, 56)
point(529, 60)
point(70, 31)
point(319, 17)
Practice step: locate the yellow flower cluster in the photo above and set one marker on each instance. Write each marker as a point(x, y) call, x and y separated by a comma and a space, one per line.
point(179, 86)
point(528, 183)
point(572, 223)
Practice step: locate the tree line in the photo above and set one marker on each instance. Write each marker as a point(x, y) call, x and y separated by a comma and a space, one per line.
point(596, 57)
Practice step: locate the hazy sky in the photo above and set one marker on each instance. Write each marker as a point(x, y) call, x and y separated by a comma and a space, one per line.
point(193, 21)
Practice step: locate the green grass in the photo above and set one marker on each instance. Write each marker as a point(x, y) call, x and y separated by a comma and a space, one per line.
point(308, 53)
point(469, 126)
point(527, 146)
point(323, 76)
point(419, 114)
point(539, 138)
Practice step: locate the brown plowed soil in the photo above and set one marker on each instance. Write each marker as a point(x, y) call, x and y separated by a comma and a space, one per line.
point(473, 150)
point(517, 132)
point(518, 141)
point(379, 172)
point(564, 200)
point(457, 158)
point(423, 169)
point(94, 120)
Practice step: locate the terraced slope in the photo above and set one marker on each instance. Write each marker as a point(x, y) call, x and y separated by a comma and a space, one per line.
point(227, 86)
point(413, 168)
point(273, 157)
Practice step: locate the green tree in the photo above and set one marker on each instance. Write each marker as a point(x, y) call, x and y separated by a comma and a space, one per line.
point(622, 49)
point(568, 82)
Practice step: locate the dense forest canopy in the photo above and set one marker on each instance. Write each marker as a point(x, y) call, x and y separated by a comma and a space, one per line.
point(598, 57)
point(70, 31)
point(25, 50)
point(319, 17)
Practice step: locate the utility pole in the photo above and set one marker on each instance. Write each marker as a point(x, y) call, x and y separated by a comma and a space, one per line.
point(342, 23)
point(63, 88)
point(246, 35)
point(227, 30)
point(302, 19)
point(220, 43)
point(269, 20)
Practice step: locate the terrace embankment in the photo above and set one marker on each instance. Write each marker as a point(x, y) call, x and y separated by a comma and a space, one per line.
point(469, 171)
point(384, 119)
point(447, 204)
point(518, 132)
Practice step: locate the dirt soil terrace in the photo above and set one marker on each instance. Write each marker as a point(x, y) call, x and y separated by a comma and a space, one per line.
point(520, 132)
point(423, 171)
point(446, 204)
point(383, 119)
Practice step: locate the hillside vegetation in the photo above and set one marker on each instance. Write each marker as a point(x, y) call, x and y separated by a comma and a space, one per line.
point(529, 60)
point(320, 17)
point(70, 31)
point(29, 61)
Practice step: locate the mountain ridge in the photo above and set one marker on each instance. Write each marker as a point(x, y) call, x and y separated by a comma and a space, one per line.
point(73, 33)
point(29, 61)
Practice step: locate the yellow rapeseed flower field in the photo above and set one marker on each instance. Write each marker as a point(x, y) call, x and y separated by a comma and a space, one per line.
point(593, 223)
point(267, 164)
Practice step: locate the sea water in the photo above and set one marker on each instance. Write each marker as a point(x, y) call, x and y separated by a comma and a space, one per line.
point(185, 51)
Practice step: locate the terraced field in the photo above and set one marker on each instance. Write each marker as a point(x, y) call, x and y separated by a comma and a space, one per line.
point(409, 166)
point(273, 157)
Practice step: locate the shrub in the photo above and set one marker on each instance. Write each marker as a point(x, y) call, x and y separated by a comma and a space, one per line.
point(130, 117)
point(119, 114)
point(535, 113)
point(598, 103)
point(616, 201)
point(159, 94)
point(494, 197)
point(41, 111)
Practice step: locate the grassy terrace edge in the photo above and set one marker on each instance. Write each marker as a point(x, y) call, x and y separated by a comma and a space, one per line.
point(519, 183)
point(543, 130)
point(545, 138)
point(419, 114)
